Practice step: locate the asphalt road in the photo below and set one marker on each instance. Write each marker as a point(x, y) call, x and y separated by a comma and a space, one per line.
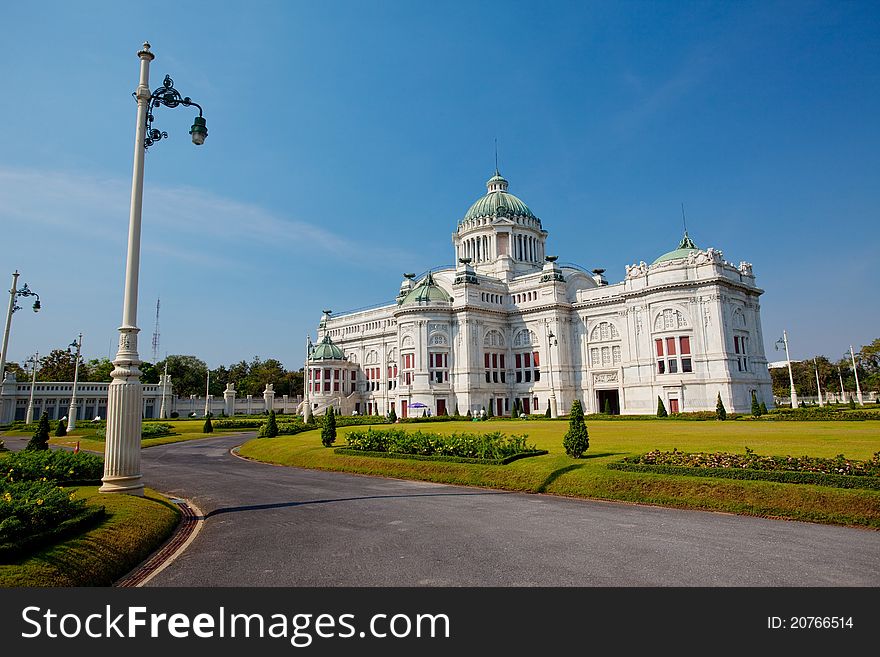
point(276, 526)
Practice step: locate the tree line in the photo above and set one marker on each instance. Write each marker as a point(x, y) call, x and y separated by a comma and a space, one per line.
point(188, 373)
point(830, 373)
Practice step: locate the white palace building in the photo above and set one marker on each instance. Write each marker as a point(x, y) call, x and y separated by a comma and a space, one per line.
point(510, 323)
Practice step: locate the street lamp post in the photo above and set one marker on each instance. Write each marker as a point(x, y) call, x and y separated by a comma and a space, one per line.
point(818, 387)
point(122, 452)
point(163, 410)
point(307, 409)
point(856, 374)
point(14, 293)
point(29, 417)
point(842, 392)
point(551, 340)
point(207, 394)
point(71, 411)
point(784, 340)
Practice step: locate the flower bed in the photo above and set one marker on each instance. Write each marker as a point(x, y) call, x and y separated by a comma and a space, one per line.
point(484, 447)
point(35, 512)
point(839, 471)
point(50, 465)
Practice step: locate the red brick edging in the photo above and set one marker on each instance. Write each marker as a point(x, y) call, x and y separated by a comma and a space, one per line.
point(181, 534)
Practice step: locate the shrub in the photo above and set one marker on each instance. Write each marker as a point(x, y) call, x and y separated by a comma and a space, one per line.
point(270, 428)
point(839, 465)
point(547, 412)
point(661, 409)
point(852, 402)
point(756, 407)
point(61, 429)
point(607, 409)
point(490, 446)
point(148, 430)
point(576, 440)
point(392, 416)
point(50, 465)
point(174, 415)
point(40, 439)
point(489, 411)
point(763, 408)
point(28, 508)
point(456, 407)
point(720, 411)
point(208, 427)
point(469, 414)
point(3, 447)
point(328, 431)
point(516, 408)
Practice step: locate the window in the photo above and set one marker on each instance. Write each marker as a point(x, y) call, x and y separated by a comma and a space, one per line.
point(392, 377)
point(685, 344)
point(668, 350)
point(740, 343)
point(438, 366)
point(494, 366)
point(526, 366)
point(407, 368)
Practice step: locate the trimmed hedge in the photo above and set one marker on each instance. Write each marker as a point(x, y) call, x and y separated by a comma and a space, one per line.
point(780, 476)
point(467, 445)
point(449, 459)
point(24, 545)
point(840, 465)
point(35, 509)
point(819, 413)
point(50, 465)
point(148, 430)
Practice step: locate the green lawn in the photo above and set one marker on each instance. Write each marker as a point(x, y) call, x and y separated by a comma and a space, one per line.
point(612, 440)
point(132, 529)
point(182, 430)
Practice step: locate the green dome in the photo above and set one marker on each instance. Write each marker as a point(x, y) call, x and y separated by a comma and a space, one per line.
point(685, 248)
point(498, 202)
point(426, 292)
point(326, 350)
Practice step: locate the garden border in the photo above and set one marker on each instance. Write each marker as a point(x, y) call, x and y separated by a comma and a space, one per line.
point(346, 451)
point(779, 476)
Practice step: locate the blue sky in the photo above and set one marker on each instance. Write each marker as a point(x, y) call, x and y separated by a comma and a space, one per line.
point(346, 139)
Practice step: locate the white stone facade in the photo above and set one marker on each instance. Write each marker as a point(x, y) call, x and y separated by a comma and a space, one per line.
point(684, 329)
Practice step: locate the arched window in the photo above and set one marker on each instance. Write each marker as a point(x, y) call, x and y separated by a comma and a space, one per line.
point(670, 319)
point(604, 331)
point(493, 338)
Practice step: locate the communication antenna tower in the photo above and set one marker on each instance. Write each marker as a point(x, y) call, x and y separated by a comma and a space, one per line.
point(156, 334)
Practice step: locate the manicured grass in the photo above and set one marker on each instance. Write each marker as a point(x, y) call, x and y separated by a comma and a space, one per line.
point(182, 430)
point(611, 441)
point(131, 530)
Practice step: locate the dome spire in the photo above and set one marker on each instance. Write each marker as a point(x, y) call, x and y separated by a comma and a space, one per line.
point(496, 157)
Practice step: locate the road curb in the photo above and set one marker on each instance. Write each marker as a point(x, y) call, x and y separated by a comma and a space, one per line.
point(190, 525)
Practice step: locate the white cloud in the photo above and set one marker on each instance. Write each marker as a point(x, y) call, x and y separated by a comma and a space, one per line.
point(80, 203)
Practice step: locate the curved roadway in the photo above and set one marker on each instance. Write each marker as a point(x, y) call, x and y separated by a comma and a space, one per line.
point(276, 526)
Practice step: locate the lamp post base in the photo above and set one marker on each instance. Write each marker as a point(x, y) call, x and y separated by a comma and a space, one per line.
point(129, 485)
point(122, 448)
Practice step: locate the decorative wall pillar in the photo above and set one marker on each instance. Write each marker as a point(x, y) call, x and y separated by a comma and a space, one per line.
point(229, 399)
point(269, 397)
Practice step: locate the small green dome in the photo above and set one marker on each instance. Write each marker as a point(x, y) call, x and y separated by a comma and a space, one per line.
point(498, 202)
point(685, 248)
point(426, 292)
point(326, 350)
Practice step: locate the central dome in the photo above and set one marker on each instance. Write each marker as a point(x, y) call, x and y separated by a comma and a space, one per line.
point(498, 202)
